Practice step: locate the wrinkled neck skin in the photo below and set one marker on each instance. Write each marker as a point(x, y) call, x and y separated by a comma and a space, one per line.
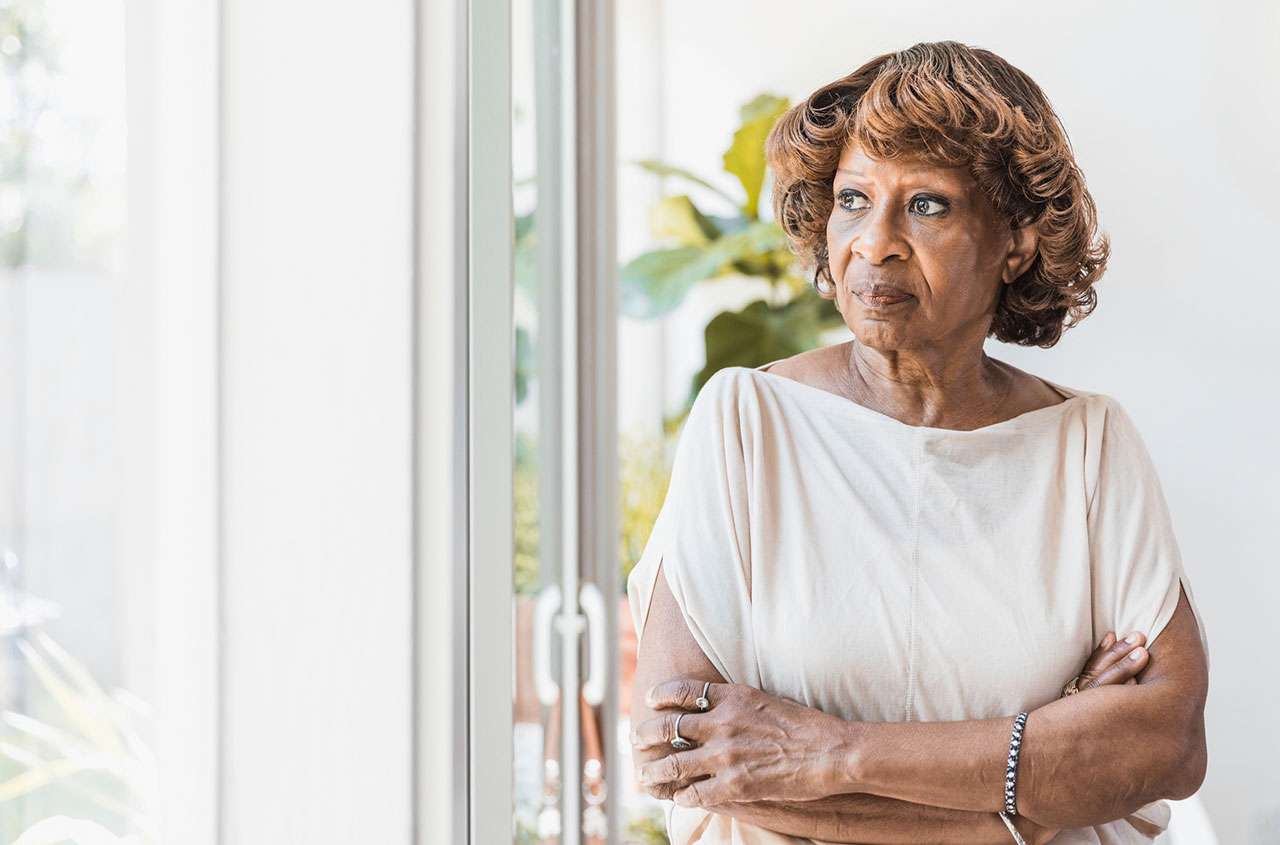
point(957, 389)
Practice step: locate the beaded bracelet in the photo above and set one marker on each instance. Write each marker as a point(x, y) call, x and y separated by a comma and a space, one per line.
point(1011, 768)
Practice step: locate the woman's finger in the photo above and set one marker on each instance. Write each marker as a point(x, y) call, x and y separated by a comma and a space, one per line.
point(682, 694)
point(706, 793)
point(1120, 672)
point(683, 766)
point(1104, 658)
point(661, 730)
point(1107, 642)
point(664, 791)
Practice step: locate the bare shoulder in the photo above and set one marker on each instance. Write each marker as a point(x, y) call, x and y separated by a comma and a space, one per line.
point(825, 368)
point(1028, 392)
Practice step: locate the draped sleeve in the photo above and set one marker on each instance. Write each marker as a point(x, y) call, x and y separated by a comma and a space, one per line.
point(1136, 572)
point(1136, 567)
point(702, 536)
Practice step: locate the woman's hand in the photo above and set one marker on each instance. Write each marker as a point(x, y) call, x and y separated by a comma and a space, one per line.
point(762, 747)
point(1114, 662)
point(758, 746)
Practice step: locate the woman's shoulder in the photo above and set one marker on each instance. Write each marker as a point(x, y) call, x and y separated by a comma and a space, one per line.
point(1038, 391)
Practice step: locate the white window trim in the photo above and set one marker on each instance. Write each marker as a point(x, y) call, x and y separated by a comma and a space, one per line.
point(173, 112)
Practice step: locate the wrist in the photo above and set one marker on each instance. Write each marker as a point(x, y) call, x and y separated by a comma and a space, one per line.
point(847, 758)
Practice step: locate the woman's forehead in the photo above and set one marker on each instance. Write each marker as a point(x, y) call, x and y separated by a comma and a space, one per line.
point(854, 161)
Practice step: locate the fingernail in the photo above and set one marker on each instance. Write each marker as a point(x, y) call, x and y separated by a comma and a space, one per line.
point(684, 799)
point(1136, 654)
point(1133, 638)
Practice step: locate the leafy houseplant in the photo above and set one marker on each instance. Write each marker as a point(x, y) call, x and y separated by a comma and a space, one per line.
point(700, 248)
point(84, 771)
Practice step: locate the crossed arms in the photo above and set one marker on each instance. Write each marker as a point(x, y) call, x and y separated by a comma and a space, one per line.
point(1089, 758)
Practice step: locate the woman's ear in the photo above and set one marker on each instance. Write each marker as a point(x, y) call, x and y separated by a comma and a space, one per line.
point(1025, 242)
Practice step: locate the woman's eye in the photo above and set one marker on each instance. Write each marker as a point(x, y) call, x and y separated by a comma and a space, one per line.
point(927, 206)
point(852, 200)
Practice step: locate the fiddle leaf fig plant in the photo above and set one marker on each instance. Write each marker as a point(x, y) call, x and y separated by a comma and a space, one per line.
point(700, 247)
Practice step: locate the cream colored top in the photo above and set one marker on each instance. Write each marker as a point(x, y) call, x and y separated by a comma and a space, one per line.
point(825, 552)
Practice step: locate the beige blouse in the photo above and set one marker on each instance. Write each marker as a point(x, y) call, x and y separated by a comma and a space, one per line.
point(825, 552)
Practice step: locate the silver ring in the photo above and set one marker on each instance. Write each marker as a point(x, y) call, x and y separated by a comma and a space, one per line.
point(702, 702)
point(680, 743)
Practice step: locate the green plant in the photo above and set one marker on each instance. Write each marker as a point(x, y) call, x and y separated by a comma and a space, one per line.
point(647, 829)
point(525, 492)
point(643, 476)
point(82, 769)
point(61, 187)
point(700, 247)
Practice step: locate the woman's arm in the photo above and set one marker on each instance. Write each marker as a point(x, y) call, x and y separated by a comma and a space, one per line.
point(1083, 762)
point(668, 650)
point(873, 818)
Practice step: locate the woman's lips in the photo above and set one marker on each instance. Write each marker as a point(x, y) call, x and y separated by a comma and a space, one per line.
point(882, 297)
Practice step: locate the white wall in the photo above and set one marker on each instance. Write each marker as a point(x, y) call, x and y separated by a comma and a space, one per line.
point(1172, 109)
point(317, 397)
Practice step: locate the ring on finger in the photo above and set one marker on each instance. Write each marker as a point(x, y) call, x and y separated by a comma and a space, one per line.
point(678, 742)
point(702, 702)
point(1072, 687)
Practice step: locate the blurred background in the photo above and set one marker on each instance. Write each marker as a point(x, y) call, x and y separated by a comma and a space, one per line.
point(343, 354)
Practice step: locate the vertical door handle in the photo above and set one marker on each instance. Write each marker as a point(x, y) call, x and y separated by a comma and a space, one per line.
point(592, 601)
point(543, 613)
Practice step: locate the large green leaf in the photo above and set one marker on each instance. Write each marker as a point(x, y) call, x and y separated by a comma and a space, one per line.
point(745, 157)
point(764, 105)
point(755, 239)
point(729, 225)
point(759, 334)
point(678, 219)
point(653, 284)
point(667, 170)
point(656, 282)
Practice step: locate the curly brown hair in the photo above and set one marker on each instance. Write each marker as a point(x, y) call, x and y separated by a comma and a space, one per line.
point(953, 105)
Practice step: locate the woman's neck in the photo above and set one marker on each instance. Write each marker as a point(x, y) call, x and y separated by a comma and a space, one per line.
point(926, 388)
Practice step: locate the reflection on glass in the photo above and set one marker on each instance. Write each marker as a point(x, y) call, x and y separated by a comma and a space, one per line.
point(536, 753)
point(74, 761)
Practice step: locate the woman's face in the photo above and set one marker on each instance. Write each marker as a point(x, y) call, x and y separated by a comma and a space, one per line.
point(917, 253)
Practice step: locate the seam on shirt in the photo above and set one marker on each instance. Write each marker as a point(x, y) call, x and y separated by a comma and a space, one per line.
point(913, 645)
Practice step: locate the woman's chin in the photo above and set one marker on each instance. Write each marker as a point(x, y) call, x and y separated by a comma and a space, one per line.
point(877, 334)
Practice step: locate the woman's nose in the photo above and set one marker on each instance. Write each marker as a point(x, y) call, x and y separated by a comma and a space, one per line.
point(880, 237)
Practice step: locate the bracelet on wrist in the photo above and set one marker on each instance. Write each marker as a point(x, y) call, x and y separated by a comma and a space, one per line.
point(1011, 766)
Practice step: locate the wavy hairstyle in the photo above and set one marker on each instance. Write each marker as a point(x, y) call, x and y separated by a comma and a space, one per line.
point(952, 105)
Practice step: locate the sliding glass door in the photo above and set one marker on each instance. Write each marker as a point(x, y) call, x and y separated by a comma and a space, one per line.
point(564, 573)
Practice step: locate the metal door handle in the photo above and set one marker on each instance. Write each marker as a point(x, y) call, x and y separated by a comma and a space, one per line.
point(592, 601)
point(543, 613)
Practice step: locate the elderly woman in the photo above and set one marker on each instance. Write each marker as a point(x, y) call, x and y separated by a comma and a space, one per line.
point(879, 562)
